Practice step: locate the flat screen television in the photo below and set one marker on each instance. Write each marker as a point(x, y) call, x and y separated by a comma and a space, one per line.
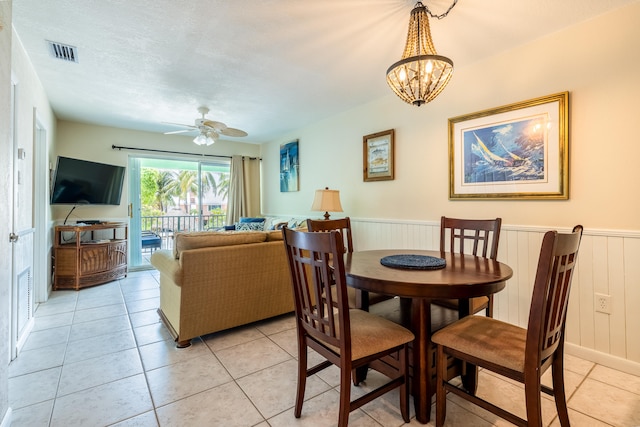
point(79, 182)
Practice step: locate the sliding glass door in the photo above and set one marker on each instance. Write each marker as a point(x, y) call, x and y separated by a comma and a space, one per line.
point(170, 196)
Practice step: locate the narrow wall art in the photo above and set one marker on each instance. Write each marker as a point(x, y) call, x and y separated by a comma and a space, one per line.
point(289, 167)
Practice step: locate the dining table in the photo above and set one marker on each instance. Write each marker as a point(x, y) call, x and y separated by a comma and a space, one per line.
point(451, 276)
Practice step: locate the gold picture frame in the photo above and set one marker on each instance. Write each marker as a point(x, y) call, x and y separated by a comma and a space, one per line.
point(517, 151)
point(378, 156)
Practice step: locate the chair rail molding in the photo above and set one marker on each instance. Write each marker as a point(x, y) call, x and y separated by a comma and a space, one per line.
point(607, 264)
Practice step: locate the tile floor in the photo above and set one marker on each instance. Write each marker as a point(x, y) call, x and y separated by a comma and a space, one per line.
point(100, 357)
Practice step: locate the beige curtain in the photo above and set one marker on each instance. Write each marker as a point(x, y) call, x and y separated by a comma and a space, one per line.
point(244, 189)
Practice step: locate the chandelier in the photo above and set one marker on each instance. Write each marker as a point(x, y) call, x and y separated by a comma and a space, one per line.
point(421, 74)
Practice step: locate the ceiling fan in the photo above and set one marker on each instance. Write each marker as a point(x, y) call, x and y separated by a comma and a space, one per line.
point(209, 130)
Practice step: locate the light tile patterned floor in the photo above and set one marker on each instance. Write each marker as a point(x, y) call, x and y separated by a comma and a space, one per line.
point(100, 357)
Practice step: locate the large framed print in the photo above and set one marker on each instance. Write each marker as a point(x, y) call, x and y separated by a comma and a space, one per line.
point(517, 151)
point(378, 153)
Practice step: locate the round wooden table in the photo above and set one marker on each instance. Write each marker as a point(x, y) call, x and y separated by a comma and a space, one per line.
point(463, 277)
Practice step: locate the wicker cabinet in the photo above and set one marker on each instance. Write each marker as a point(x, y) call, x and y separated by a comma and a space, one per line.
point(87, 255)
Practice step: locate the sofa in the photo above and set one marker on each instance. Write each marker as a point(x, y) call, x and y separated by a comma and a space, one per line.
point(211, 281)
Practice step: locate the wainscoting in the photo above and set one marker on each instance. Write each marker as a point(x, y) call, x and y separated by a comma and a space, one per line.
point(608, 264)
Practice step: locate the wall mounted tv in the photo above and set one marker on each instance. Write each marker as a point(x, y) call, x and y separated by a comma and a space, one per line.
point(81, 182)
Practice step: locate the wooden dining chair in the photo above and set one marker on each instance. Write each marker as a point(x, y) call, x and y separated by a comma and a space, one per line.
point(357, 297)
point(347, 338)
point(477, 237)
point(514, 352)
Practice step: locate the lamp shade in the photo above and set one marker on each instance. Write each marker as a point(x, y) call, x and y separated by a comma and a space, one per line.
point(327, 200)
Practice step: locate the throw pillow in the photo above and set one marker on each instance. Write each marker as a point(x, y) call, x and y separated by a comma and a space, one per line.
point(248, 219)
point(249, 226)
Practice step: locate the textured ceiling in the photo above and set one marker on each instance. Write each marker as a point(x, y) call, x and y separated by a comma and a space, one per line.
point(264, 66)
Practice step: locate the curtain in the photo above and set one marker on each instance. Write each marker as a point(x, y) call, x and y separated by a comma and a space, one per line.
point(252, 186)
point(244, 189)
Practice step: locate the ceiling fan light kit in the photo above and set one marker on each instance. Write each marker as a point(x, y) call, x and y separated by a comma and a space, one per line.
point(204, 139)
point(210, 130)
point(421, 74)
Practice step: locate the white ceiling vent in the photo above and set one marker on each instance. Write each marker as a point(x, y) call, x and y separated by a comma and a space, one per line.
point(64, 52)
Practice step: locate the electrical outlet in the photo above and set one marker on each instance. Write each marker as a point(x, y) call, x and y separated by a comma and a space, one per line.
point(603, 303)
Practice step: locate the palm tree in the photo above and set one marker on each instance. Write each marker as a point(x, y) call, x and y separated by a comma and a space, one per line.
point(223, 185)
point(187, 183)
point(209, 182)
point(166, 188)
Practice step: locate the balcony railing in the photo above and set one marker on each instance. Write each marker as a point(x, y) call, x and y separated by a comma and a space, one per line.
point(165, 226)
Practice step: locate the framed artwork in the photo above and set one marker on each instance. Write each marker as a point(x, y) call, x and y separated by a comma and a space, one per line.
point(378, 162)
point(289, 167)
point(518, 151)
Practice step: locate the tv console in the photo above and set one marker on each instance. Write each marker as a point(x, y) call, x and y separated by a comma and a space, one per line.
point(90, 222)
point(90, 254)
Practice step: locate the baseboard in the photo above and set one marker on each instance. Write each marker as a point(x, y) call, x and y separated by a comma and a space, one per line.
point(6, 420)
point(167, 324)
point(603, 359)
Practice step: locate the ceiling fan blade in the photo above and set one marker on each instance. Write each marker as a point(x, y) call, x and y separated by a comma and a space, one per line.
point(179, 124)
point(179, 131)
point(233, 132)
point(214, 125)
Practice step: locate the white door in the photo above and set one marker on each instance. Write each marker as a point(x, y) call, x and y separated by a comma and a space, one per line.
point(22, 235)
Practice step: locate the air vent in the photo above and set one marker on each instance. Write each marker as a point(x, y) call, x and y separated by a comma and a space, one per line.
point(64, 52)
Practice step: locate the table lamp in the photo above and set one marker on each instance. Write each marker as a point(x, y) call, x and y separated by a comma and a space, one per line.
point(328, 201)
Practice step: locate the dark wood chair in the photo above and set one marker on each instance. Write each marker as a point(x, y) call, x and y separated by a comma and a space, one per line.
point(357, 297)
point(479, 237)
point(347, 338)
point(517, 353)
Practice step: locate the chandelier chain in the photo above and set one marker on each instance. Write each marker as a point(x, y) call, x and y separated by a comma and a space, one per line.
point(442, 15)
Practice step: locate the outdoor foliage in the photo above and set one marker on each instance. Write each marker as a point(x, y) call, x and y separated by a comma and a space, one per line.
point(163, 189)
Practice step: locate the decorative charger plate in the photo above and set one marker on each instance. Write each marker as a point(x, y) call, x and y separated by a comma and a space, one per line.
point(413, 262)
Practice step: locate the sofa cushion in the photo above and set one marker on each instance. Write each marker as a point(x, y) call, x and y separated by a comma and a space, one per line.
point(203, 239)
point(274, 235)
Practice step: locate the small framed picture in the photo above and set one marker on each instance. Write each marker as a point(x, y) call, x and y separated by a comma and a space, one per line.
point(378, 162)
point(517, 151)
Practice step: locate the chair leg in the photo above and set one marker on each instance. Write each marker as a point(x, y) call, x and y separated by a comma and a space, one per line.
point(404, 388)
point(302, 377)
point(441, 392)
point(359, 374)
point(490, 306)
point(470, 377)
point(345, 396)
point(557, 373)
point(532, 396)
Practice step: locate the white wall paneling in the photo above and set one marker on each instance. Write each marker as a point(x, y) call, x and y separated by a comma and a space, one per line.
point(607, 263)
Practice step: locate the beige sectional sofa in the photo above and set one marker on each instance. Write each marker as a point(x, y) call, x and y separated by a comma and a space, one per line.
point(213, 281)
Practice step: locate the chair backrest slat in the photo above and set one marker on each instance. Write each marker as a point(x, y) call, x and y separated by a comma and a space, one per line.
point(551, 290)
point(343, 225)
point(483, 233)
point(316, 262)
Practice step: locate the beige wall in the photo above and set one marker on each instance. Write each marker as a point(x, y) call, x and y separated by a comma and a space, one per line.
point(30, 100)
point(5, 213)
point(90, 142)
point(599, 64)
point(596, 61)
